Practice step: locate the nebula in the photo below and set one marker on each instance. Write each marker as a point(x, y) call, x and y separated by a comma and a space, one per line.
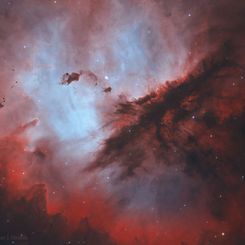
point(122, 122)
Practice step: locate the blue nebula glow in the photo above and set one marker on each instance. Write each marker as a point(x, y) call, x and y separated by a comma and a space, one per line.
point(125, 58)
point(62, 108)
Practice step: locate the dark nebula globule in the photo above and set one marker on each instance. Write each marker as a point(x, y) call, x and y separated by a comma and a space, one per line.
point(147, 143)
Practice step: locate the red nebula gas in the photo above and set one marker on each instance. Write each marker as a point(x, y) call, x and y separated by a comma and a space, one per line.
point(145, 144)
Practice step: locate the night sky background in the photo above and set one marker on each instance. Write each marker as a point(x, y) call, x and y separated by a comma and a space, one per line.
point(122, 122)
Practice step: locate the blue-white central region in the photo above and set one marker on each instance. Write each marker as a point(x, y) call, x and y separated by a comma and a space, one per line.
point(63, 109)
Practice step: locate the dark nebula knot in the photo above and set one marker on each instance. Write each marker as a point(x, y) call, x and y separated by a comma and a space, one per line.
point(146, 146)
